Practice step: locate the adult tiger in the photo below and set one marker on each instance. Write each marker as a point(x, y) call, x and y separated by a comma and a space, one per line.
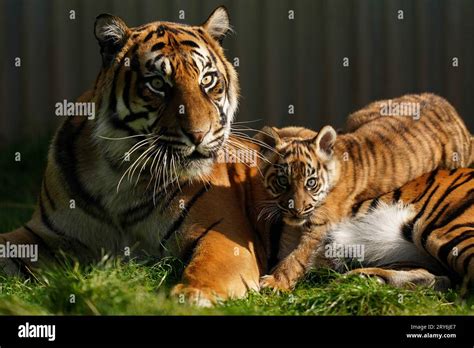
point(142, 176)
point(421, 233)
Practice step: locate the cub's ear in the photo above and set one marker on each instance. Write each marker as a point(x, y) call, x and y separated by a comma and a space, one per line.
point(218, 23)
point(324, 142)
point(112, 33)
point(269, 136)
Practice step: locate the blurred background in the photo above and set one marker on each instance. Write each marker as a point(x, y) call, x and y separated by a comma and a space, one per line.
point(282, 61)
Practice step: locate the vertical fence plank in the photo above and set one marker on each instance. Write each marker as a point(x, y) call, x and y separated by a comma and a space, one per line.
point(363, 53)
point(423, 43)
point(453, 44)
point(338, 48)
point(306, 64)
point(5, 64)
point(394, 49)
point(33, 52)
point(467, 59)
point(11, 75)
point(251, 61)
point(275, 26)
point(317, 100)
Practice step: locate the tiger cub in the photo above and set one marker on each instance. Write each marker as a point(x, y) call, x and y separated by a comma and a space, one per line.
point(426, 228)
point(314, 180)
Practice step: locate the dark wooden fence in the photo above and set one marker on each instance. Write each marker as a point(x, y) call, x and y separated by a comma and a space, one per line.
point(283, 62)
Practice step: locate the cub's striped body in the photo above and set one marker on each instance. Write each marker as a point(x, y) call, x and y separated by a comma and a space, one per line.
point(142, 175)
point(427, 223)
point(316, 180)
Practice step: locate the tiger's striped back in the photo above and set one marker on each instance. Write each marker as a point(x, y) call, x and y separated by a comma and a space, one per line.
point(434, 213)
point(438, 137)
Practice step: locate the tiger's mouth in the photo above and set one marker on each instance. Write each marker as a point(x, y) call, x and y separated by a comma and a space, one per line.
point(170, 161)
point(195, 162)
point(196, 155)
point(295, 221)
point(199, 153)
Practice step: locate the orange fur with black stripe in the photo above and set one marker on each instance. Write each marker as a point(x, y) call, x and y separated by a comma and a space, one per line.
point(315, 180)
point(142, 179)
point(417, 234)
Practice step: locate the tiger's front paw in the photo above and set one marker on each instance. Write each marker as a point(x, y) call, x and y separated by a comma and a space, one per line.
point(194, 296)
point(274, 283)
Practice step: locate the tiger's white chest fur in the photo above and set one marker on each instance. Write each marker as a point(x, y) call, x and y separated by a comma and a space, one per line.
point(126, 221)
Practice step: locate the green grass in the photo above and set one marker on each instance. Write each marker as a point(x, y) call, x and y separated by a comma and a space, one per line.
point(112, 287)
point(115, 288)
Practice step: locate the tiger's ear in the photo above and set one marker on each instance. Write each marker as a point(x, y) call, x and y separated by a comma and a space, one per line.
point(112, 33)
point(218, 23)
point(324, 142)
point(269, 136)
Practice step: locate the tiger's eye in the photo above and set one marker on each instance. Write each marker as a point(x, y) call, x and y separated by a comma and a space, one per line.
point(206, 80)
point(282, 180)
point(209, 80)
point(311, 183)
point(157, 83)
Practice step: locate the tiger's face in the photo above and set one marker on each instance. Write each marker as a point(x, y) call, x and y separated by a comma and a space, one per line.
point(169, 90)
point(301, 175)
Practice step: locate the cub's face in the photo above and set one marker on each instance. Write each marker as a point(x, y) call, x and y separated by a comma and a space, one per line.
point(301, 174)
point(169, 88)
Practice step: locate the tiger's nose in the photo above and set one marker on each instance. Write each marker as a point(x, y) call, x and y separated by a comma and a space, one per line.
point(196, 137)
point(296, 212)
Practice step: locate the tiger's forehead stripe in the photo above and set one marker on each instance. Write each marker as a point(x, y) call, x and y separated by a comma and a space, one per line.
point(160, 29)
point(296, 151)
point(199, 57)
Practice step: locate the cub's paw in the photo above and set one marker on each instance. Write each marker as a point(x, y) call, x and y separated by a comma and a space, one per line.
point(274, 283)
point(194, 296)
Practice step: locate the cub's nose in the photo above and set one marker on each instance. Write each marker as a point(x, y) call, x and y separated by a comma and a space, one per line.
point(196, 137)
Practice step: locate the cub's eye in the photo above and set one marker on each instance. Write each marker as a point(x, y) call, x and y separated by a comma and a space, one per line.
point(311, 183)
point(209, 80)
point(282, 180)
point(156, 84)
